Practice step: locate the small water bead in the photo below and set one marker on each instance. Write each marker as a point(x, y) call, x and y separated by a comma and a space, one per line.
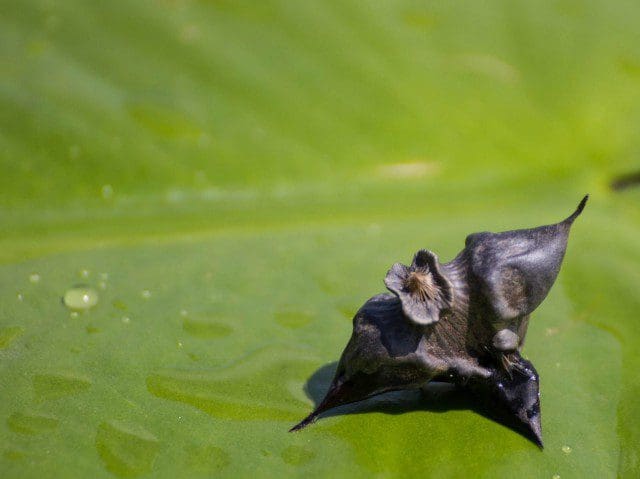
point(126, 319)
point(102, 285)
point(34, 278)
point(146, 294)
point(566, 449)
point(184, 313)
point(20, 297)
point(84, 273)
point(73, 315)
point(556, 476)
point(107, 192)
point(80, 298)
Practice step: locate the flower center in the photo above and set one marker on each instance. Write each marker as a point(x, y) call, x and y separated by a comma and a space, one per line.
point(421, 284)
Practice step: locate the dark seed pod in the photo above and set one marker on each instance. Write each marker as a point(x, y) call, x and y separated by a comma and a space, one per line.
point(462, 322)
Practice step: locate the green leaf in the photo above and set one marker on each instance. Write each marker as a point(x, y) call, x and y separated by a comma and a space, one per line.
point(232, 180)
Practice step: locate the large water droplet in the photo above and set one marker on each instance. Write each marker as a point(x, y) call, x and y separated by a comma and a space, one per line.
point(566, 449)
point(34, 278)
point(80, 298)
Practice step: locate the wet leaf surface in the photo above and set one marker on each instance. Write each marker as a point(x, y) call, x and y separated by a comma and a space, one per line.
point(232, 181)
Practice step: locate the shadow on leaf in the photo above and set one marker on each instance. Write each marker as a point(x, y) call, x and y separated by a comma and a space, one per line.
point(438, 397)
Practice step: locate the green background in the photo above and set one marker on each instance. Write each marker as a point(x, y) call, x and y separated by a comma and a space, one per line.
point(257, 167)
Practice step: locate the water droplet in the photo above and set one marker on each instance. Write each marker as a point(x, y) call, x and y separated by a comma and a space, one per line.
point(297, 455)
point(34, 278)
point(84, 273)
point(146, 294)
point(107, 192)
point(23, 423)
point(126, 319)
point(20, 297)
point(102, 285)
point(184, 313)
point(180, 344)
point(73, 314)
point(126, 450)
point(80, 298)
point(53, 386)
point(556, 476)
point(7, 335)
point(566, 449)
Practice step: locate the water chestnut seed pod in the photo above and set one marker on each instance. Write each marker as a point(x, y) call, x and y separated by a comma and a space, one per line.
point(462, 322)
